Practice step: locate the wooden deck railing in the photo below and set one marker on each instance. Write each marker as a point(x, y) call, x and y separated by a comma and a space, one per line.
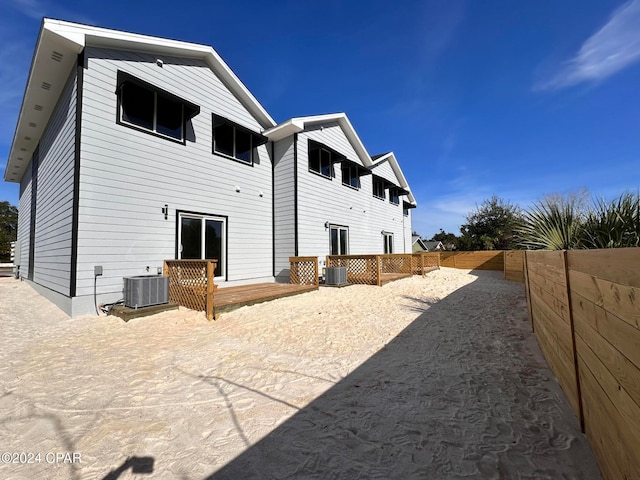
point(303, 271)
point(372, 269)
point(191, 283)
point(361, 269)
point(396, 263)
point(423, 262)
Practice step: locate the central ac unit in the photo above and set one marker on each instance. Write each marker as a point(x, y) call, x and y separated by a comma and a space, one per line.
point(146, 290)
point(335, 276)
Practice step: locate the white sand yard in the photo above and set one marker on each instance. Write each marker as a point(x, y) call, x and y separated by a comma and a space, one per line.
point(427, 378)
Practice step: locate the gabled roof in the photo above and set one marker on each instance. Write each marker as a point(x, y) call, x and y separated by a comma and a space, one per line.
point(419, 241)
point(298, 124)
point(434, 245)
point(55, 54)
point(395, 166)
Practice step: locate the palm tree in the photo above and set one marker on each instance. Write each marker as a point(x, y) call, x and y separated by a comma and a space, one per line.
point(553, 223)
point(613, 224)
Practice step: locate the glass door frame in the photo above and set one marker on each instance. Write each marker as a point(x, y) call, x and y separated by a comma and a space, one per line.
point(180, 214)
point(339, 229)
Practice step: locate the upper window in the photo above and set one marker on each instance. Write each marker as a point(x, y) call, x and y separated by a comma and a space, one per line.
point(378, 187)
point(149, 108)
point(235, 141)
point(320, 160)
point(394, 196)
point(405, 211)
point(350, 176)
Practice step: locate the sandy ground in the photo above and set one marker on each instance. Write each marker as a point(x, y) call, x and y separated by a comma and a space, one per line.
point(428, 378)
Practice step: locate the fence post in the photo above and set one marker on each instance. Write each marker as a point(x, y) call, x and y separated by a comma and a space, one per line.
point(165, 268)
point(378, 270)
point(210, 275)
point(316, 278)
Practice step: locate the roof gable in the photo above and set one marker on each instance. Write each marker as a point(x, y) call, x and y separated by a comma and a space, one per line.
point(55, 55)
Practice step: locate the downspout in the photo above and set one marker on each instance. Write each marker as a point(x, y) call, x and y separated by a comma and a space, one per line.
point(76, 176)
point(273, 209)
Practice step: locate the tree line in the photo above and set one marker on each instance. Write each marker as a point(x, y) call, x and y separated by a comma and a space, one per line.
point(8, 229)
point(555, 222)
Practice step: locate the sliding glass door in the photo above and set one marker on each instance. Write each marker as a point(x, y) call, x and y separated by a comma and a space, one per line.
point(338, 240)
point(203, 237)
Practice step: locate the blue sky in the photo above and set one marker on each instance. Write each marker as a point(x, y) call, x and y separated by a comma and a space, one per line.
point(514, 98)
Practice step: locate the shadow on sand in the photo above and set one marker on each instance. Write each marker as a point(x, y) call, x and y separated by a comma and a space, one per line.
point(462, 392)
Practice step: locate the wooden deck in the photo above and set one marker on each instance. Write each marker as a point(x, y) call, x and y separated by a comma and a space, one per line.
point(227, 299)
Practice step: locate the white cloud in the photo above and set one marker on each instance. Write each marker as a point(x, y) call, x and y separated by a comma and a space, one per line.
point(31, 8)
point(611, 49)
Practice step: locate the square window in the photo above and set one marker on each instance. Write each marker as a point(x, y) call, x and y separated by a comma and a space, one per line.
point(320, 160)
point(235, 141)
point(350, 176)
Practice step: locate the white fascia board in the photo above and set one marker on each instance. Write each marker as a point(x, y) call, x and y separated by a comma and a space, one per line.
point(298, 124)
point(38, 102)
point(69, 39)
point(102, 37)
point(395, 166)
point(284, 129)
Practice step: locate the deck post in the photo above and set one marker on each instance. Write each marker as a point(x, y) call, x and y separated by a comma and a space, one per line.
point(165, 269)
point(379, 270)
point(211, 266)
point(317, 278)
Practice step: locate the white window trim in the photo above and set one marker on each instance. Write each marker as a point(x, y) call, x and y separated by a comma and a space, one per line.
point(387, 238)
point(339, 228)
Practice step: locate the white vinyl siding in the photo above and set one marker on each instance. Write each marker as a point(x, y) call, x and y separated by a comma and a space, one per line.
point(385, 171)
point(284, 196)
point(321, 200)
point(127, 176)
point(54, 195)
point(24, 222)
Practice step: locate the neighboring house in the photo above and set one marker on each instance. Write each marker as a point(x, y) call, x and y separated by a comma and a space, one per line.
point(132, 149)
point(418, 244)
point(434, 246)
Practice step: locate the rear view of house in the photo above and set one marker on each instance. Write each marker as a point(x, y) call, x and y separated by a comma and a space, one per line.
point(130, 150)
point(331, 196)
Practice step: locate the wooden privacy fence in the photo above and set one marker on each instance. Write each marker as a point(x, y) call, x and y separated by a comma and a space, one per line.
point(423, 262)
point(479, 260)
point(373, 269)
point(585, 312)
point(514, 265)
point(303, 271)
point(191, 283)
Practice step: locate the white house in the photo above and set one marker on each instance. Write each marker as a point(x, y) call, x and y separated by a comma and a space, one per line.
point(132, 149)
point(331, 197)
